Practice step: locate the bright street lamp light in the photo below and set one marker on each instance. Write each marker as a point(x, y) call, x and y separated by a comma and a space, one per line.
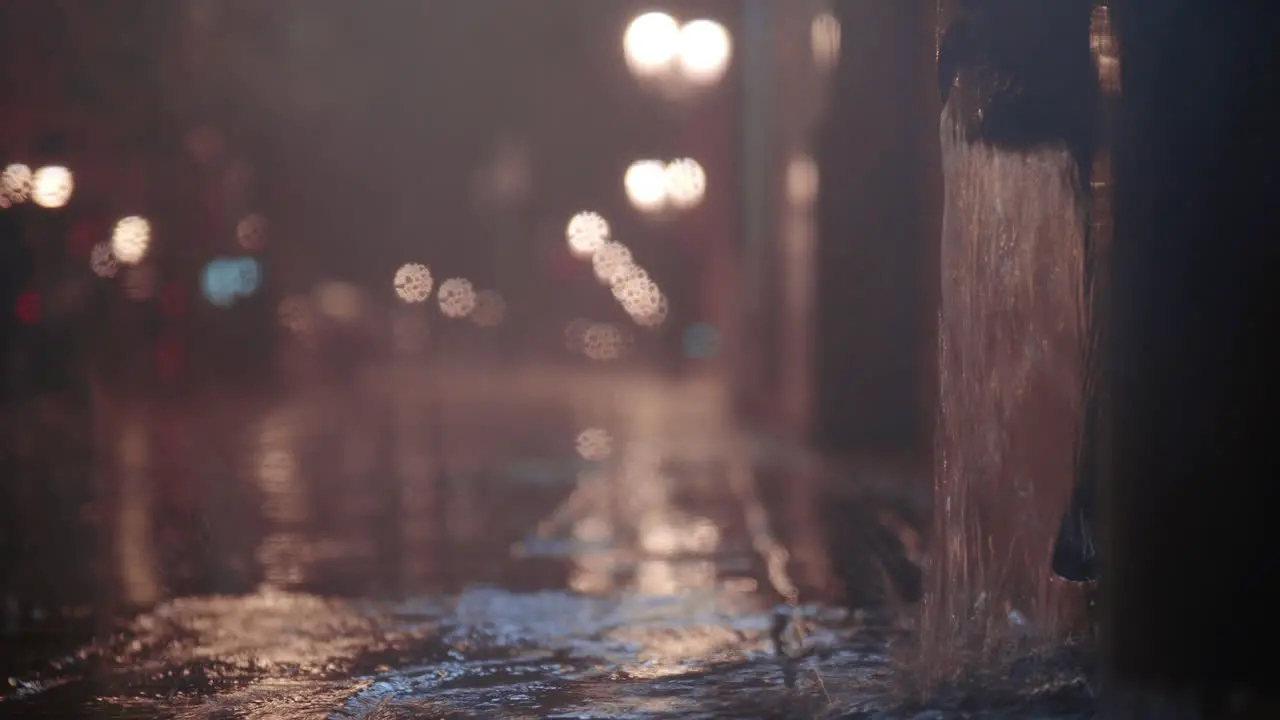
point(658, 48)
point(651, 44)
point(705, 49)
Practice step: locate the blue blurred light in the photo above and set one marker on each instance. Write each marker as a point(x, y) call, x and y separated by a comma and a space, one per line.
point(226, 280)
point(701, 341)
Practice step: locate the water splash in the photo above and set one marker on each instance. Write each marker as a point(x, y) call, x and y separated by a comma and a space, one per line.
point(1011, 330)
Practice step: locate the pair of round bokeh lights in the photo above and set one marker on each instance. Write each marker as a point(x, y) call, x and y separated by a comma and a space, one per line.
point(457, 297)
point(129, 243)
point(653, 186)
point(658, 47)
point(49, 187)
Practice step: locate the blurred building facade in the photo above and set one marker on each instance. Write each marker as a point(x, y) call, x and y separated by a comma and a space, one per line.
point(363, 140)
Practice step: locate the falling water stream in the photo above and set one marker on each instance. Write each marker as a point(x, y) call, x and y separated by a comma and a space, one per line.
point(1013, 361)
point(1010, 377)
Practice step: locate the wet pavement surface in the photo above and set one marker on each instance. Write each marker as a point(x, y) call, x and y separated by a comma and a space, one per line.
point(419, 544)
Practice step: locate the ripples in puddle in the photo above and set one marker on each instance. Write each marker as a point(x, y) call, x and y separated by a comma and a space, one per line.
point(485, 653)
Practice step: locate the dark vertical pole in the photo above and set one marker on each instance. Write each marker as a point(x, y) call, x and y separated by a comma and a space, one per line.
point(1191, 595)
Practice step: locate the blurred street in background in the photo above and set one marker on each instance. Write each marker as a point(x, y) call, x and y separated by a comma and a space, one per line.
point(483, 359)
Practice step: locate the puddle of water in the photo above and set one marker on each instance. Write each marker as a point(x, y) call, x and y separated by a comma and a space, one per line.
point(485, 653)
point(338, 560)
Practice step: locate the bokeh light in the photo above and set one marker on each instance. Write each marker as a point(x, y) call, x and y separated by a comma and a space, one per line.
point(603, 341)
point(102, 262)
point(653, 314)
point(646, 184)
point(701, 341)
point(1106, 55)
point(575, 333)
point(599, 341)
point(802, 181)
point(28, 308)
point(665, 534)
point(339, 301)
point(413, 282)
point(82, 237)
point(251, 232)
point(685, 182)
point(140, 282)
point(457, 297)
point(226, 280)
point(215, 291)
point(594, 444)
point(824, 39)
point(490, 309)
point(651, 44)
point(637, 287)
point(626, 273)
point(51, 186)
point(250, 274)
point(652, 185)
point(611, 261)
point(15, 184)
point(586, 233)
point(297, 315)
point(642, 299)
point(705, 49)
point(173, 301)
point(130, 239)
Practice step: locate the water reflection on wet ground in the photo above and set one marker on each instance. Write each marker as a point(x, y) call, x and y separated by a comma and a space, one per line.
point(424, 545)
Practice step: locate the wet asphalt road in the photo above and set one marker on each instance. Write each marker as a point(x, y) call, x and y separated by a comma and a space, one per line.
point(418, 544)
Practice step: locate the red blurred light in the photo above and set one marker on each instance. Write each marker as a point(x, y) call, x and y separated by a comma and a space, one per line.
point(28, 308)
point(170, 359)
point(83, 237)
point(173, 301)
